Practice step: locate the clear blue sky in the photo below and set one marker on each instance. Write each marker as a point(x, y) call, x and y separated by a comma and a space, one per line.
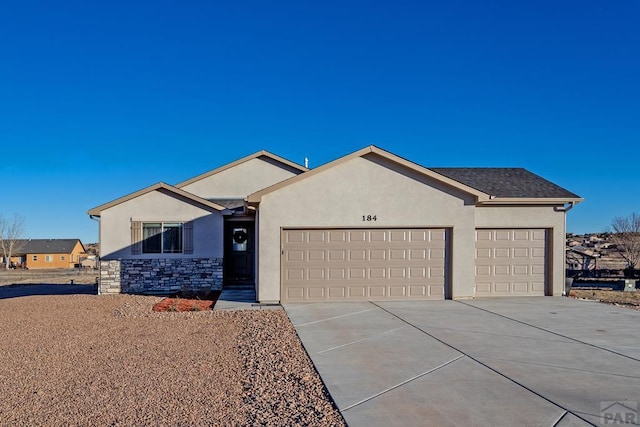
point(100, 99)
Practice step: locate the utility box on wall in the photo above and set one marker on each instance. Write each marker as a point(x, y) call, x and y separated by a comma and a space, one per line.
point(629, 285)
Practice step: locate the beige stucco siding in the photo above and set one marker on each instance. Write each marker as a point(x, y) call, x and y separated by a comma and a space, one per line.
point(240, 180)
point(532, 217)
point(115, 225)
point(362, 186)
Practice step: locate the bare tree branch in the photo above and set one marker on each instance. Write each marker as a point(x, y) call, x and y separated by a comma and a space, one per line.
point(626, 236)
point(11, 236)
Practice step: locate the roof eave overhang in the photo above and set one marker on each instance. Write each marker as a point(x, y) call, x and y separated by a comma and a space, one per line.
point(97, 211)
point(549, 201)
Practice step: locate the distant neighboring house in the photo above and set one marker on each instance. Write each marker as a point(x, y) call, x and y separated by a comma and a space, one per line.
point(49, 253)
point(367, 226)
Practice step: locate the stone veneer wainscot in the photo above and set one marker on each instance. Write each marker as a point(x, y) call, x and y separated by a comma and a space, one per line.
point(160, 276)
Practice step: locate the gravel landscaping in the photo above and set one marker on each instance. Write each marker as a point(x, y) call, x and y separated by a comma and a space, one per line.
point(109, 360)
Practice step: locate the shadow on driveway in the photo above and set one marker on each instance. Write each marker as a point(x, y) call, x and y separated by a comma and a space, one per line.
point(25, 290)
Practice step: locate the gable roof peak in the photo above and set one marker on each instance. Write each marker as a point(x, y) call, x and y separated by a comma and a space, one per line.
point(157, 186)
point(370, 149)
point(262, 153)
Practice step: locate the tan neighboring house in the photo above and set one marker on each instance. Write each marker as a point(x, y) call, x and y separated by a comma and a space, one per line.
point(49, 253)
point(367, 226)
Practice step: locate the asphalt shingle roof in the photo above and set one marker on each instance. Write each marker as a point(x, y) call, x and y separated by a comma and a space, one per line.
point(506, 182)
point(47, 246)
point(229, 203)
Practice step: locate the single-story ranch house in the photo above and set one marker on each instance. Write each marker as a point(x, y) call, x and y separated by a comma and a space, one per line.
point(47, 253)
point(368, 226)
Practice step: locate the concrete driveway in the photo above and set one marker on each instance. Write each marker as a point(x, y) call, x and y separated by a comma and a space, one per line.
point(541, 361)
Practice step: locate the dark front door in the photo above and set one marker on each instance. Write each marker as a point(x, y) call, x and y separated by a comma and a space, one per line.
point(239, 252)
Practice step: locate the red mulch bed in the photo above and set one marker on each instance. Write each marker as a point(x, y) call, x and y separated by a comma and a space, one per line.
point(191, 303)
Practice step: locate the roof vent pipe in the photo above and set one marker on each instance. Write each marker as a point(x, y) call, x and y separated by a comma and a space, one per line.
point(306, 162)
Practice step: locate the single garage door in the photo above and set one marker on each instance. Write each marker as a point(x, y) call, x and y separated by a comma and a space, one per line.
point(363, 264)
point(511, 262)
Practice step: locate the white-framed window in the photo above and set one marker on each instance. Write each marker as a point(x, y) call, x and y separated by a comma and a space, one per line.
point(161, 237)
point(62, 257)
point(35, 257)
point(48, 258)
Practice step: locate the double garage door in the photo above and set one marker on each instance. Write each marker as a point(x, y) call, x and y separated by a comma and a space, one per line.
point(363, 264)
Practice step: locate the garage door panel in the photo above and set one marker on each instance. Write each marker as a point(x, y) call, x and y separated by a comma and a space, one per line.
point(377, 291)
point(417, 272)
point(295, 293)
point(511, 262)
point(437, 236)
point(502, 253)
point(483, 288)
point(538, 269)
point(520, 270)
point(436, 291)
point(483, 253)
point(357, 273)
point(357, 236)
point(294, 274)
point(397, 273)
point(483, 270)
point(296, 237)
point(501, 287)
point(538, 253)
point(363, 264)
point(436, 272)
point(521, 252)
point(521, 287)
point(337, 236)
point(419, 235)
point(484, 236)
point(397, 291)
point(378, 236)
point(316, 236)
point(397, 254)
point(337, 274)
point(315, 274)
point(314, 292)
point(502, 235)
point(398, 236)
point(337, 292)
point(501, 270)
point(537, 286)
point(521, 235)
point(539, 235)
point(417, 291)
point(436, 254)
point(293, 256)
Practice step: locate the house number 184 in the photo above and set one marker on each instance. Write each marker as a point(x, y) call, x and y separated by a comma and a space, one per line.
point(369, 218)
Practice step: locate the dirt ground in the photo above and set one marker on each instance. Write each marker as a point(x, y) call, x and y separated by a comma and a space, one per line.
point(621, 298)
point(79, 277)
point(80, 360)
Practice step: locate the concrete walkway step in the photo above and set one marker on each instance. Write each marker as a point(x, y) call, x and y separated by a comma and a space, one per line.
point(241, 299)
point(239, 295)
